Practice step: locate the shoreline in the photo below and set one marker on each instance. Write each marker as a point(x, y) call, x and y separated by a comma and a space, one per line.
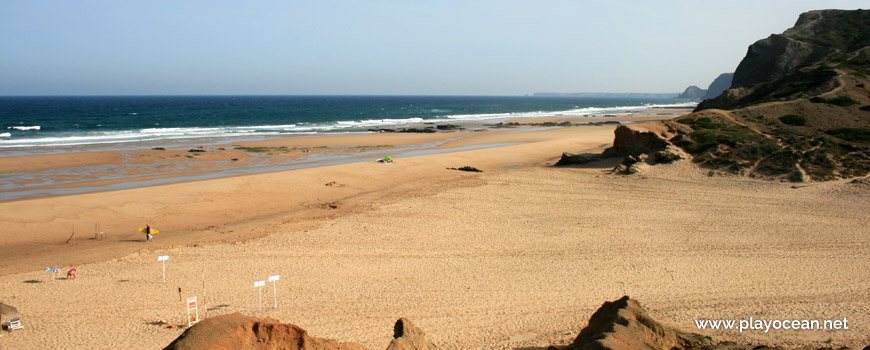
point(190, 209)
point(45, 175)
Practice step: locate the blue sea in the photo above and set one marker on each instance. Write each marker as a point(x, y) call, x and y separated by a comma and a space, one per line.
point(48, 124)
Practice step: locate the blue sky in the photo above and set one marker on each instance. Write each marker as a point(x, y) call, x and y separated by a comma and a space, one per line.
point(379, 47)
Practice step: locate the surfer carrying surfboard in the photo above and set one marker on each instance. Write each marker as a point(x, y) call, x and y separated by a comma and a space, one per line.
point(149, 232)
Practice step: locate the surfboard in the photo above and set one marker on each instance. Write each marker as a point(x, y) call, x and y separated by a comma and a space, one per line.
point(153, 231)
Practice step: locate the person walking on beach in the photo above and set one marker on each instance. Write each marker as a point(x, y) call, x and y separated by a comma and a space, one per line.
point(148, 235)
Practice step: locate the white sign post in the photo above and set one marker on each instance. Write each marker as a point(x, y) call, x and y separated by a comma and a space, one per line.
point(192, 312)
point(259, 285)
point(274, 279)
point(163, 258)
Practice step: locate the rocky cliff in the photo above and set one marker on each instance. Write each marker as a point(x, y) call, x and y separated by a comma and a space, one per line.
point(719, 85)
point(802, 61)
point(692, 93)
point(798, 108)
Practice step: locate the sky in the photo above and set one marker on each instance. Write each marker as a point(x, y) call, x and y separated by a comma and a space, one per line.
point(401, 47)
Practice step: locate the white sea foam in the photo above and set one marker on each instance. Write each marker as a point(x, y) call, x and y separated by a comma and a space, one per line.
point(24, 128)
point(577, 112)
point(179, 133)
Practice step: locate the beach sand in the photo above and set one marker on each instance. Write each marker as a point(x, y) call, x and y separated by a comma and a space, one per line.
point(514, 257)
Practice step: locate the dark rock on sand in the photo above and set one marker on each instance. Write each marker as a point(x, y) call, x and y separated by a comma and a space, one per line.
point(569, 158)
point(406, 336)
point(628, 165)
point(467, 168)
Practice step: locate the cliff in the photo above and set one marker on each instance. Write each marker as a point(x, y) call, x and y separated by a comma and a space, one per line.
point(719, 85)
point(692, 93)
point(798, 108)
point(801, 62)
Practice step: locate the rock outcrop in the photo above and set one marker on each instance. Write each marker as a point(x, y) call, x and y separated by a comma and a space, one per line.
point(635, 146)
point(239, 332)
point(798, 108)
point(406, 336)
point(774, 57)
point(692, 93)
point(624, 324)
point(802, 61)
point(571, 158)
point(719, 85)
point(628, 141)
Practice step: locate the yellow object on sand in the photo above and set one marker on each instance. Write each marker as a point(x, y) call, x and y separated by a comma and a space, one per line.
point(153, 231)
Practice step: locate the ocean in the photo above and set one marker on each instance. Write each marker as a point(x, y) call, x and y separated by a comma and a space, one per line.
point(30, 125)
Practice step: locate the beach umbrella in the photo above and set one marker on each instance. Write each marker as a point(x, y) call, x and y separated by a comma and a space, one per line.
point(52, 270)
point(8, 310)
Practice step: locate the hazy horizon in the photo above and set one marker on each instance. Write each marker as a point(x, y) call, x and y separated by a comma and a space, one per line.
point(486, 48)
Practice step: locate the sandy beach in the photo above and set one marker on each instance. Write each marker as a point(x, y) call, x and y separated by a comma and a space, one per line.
point(516, 257)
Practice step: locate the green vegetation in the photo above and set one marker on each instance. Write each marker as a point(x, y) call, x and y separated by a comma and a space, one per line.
point(793, 88)
point(851, 134)
point(701, 123)
point(865, 108)
point(842, 101)
point(794, 119)
point(844, 30)
point(752, 145)
point(788, 133)
point(255, 149)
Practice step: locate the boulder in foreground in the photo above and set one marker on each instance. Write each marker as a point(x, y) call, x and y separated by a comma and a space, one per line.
point(406, 336)
point(625, 325)
point(239, 332)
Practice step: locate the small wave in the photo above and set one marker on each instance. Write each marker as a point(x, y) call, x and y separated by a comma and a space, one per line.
point(675, 105)
point(5, 134)
point(24, 128)
point(268, 127)
point(376, 122)
point(576, 112)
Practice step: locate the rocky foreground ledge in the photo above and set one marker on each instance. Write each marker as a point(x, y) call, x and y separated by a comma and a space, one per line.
point(622, 324)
